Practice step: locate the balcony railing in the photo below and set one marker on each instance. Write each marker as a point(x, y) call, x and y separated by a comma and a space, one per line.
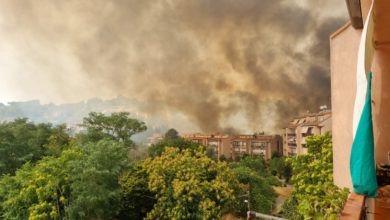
point(292, 144)
point(358, 207)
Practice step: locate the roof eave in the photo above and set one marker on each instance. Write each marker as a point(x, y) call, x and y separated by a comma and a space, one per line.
point(355, 13)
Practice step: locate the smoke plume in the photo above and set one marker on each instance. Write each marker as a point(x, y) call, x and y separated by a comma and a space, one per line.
point(224, 64)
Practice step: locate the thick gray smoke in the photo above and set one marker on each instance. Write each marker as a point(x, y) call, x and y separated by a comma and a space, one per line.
point(223, 64)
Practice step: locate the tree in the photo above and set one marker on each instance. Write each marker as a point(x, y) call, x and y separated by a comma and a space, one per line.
point(118, 126)
point(22, 141)
point(95, 188)
point(222, 158)
point(82, 183)
point(287, 172)
point(279, 166)
point(136, 198)
point(171, 134)
point(262, 194)
point(315, 194)
point(158, 148)
point(38, 192)
point(252, 172)
point(256, 163)
point(58, 140)
point(189, 185)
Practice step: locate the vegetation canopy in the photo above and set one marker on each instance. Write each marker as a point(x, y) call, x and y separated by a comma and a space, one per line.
point(315, 196)
point(46, 173)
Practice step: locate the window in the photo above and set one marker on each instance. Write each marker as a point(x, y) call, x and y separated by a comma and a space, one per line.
point(198, 141)
point(259, 144)
point(239, 146)
point(259, 147)
point(304, 130)
point(292, 139)
point(310, 131)
point(307, 131)
point(292, 152)
point(214, 144)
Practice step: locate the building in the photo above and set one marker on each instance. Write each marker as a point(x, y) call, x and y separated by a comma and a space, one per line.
point(220, 142)
point(344, 47)
point(156, 137)
point(232, 146)
point(294, 136)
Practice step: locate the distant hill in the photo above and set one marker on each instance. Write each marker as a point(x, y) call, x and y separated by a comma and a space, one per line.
point(73, 113)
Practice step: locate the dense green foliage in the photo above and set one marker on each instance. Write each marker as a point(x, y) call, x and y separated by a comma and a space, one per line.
point(79, 184)
point(252, 172)
point(58, 140)
point(257, 164)
point(158, 148)
point(61, 177)
point(22, 141)
point(48, 174)
point(315, 196)
point(280, 167)
point(136, 200)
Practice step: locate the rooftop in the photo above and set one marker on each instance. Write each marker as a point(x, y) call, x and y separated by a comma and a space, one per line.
point(310, 119)
point(228, 136)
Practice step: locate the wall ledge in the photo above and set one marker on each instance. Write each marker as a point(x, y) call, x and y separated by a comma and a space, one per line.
point(353, 208)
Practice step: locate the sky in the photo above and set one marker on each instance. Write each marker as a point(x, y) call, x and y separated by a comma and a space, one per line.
point(222, 65)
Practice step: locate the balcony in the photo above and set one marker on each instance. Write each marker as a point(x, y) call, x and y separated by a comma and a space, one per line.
point(354, 208)
point(360, 208)
point(294, 145)
point(307, 134)
point(292, 154)
point(243, 150)
point(259, 151)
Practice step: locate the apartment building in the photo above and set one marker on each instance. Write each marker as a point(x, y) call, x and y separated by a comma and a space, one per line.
point(232, 146)
point(294, 137)
point(220, 142)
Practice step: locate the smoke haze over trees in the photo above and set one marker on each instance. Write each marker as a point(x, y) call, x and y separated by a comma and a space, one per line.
point(218, 64)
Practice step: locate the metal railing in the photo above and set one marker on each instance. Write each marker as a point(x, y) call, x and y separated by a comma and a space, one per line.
point(253, 215)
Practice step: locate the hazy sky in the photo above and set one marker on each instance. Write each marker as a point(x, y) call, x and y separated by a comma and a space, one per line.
point(222, 64)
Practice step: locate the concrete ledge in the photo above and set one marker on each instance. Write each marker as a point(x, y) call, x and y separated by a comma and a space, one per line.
point(354, 207)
